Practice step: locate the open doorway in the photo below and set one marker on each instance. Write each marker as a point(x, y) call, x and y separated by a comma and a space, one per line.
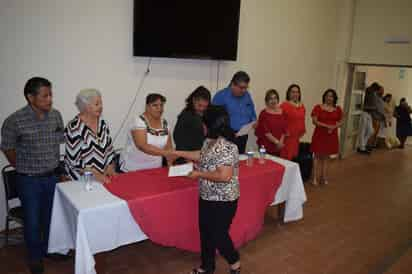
point(396, 81)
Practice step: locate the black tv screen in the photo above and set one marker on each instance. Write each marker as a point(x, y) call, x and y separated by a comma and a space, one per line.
point(206, 29)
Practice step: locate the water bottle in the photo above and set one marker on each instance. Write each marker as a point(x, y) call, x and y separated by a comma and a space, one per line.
point(262, 155)
point(87, 179)
point(249, 161)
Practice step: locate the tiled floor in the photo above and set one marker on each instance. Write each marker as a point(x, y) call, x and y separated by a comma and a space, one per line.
point(361, 223)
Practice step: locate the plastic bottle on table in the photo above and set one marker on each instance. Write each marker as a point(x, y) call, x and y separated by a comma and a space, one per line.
point(262, 155)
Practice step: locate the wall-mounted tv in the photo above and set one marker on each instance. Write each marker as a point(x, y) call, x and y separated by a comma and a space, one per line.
point(205, 29)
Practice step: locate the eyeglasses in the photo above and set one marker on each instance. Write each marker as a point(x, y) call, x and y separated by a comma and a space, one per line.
point(242, 86)
point(273, 98)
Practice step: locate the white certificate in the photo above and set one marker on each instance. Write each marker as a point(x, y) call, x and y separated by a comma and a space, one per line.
point(245, 129)
point(180, 170)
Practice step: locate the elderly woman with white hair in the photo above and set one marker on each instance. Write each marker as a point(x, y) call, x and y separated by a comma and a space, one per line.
point(88, 141)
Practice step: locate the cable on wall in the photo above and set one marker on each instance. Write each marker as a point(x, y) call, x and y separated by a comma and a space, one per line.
point(217, 75)
point(139, 88)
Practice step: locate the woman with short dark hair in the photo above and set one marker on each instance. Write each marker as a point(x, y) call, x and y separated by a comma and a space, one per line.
point(327, 118)
point(271, 128)
point(219, 190)
point(148, 139)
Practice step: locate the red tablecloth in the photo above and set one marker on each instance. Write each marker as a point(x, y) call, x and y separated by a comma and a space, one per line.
point(166, 209)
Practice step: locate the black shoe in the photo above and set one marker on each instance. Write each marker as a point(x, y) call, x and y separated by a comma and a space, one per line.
point(235, 271)
point(58, 257)
point(36, 267)
point(363, 151)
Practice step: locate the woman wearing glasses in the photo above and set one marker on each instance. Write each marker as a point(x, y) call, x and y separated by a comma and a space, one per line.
point(271, 128)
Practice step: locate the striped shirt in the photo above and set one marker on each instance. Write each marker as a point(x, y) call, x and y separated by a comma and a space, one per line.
point(36, 141)
point(85, 148)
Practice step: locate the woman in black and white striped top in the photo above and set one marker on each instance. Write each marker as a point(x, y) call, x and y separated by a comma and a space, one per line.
point(88, 141)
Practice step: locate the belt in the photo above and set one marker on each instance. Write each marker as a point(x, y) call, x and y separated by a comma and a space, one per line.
point(41, 175)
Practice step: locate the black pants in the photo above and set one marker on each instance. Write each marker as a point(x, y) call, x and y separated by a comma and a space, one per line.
point(241, 142)
point(215, 219)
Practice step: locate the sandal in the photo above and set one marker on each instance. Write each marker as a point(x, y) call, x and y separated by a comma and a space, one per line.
point(235, 271)
point(315, 182)
point(197, 271)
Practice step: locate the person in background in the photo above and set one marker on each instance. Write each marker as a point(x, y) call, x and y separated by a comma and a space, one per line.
point(190, 130)
point(375, 104)
point(30, 139)
point(148, 139)
point(271, 127)
point(389, 108)
point(88, 141)
point(327, 118)
point(294, 112)
point(403, 121)
point(219, 190)
point(239, 104)
point(369, 110)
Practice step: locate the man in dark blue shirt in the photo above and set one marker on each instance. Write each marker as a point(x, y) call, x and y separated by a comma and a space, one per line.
point(239, 104)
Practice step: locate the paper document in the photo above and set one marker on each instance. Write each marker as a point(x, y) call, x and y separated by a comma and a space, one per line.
point(245, 129)
point(180, 170)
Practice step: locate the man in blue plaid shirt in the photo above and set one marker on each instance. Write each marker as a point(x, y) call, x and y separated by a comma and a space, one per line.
point(30, 139)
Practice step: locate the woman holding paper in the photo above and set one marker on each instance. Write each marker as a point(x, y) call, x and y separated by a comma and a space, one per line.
point(148, 139)
point(190, 131)
point(219, 190)
point(294, 112)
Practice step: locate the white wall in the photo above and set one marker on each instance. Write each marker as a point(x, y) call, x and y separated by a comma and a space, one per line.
point(88, 43)
point(376, 20)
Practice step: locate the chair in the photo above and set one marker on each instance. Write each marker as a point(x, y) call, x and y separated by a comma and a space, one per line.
point(116, 160)
point(13, 214)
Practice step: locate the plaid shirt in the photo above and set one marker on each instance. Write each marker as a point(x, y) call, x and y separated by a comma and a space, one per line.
point(36, 142)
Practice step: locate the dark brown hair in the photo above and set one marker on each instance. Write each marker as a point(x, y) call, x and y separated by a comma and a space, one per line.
point(270, 93)
point(289, 90)
point(153, 97)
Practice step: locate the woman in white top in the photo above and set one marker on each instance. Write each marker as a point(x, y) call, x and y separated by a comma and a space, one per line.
point(148, 140)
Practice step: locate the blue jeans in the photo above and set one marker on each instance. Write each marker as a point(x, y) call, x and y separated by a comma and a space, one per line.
point(36, 196)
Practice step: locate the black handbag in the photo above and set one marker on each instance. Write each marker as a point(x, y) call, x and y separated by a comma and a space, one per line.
point(305, 161)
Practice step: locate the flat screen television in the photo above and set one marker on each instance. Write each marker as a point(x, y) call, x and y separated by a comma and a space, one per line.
point(205, 29)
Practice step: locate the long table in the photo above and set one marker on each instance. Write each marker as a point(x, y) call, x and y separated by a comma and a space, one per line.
point(97, 221)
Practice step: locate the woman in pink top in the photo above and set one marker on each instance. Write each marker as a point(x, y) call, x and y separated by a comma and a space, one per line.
point(271, 128)
point(294, 112)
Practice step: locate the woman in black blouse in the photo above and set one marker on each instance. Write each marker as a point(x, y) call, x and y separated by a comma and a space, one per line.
point(190, 131)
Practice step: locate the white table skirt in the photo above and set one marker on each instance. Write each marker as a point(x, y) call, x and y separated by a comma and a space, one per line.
point(97, 221)
point(90, 222)
point(291, 191)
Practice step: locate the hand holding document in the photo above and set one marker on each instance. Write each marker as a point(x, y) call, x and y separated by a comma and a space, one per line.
point(180, 170)
point(245, 129)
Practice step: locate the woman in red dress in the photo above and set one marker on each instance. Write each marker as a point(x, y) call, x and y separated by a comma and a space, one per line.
point(271, 128)
point(294, 112)
point(327, 118)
